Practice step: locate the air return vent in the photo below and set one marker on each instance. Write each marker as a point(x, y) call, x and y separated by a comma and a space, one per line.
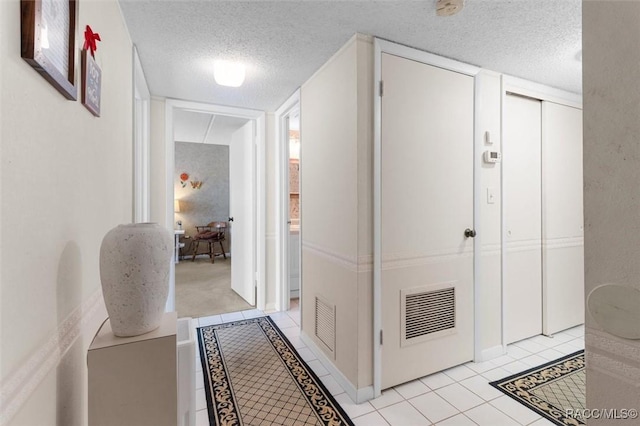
point(326, 324)
point(427, 312)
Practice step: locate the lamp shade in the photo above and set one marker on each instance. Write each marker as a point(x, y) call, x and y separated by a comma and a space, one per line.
point(176, 206)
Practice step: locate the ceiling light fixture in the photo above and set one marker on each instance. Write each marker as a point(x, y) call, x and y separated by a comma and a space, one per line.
point(448, 7)
point(227, 73)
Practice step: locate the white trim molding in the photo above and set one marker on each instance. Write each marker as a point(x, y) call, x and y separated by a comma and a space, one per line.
point(523, 245)
point(539, 91)
point(612, 367)
point(357, 395)
point(141, 143)
point(404, 260)
point(22, 382)
point(291, 106)
point(491, 353)
point(347, 262)
point(352, 263)
point(565, 242)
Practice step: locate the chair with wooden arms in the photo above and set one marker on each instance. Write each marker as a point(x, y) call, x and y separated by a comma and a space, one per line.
point(212, 233)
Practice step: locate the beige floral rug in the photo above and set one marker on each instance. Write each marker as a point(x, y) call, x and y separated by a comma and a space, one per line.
point(254, 376)
point(555, 390)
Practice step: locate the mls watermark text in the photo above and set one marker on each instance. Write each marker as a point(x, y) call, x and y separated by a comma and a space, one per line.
point(603, 413)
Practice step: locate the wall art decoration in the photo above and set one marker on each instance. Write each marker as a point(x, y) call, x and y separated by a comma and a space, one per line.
point(91, 73)
point(48, 39)
point(184, 177)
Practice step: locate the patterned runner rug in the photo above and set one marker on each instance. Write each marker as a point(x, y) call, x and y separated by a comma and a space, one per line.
point(254, 376)
point(555, 390)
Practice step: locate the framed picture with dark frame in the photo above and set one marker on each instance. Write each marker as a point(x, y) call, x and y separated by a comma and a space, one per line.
point(48, 37)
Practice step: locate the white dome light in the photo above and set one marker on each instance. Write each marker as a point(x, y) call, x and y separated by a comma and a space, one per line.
point(227, 73)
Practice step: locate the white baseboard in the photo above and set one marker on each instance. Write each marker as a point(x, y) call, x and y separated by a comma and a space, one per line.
point(270, 308)
point(491, 353)
point(294, 294)
point(357, 395)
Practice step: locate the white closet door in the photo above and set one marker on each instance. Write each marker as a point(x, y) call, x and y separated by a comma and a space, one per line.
point(562, 218)
point(426, 204)
point(521, 167)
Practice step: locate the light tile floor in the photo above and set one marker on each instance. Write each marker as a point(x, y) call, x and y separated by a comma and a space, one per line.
point(459, 396)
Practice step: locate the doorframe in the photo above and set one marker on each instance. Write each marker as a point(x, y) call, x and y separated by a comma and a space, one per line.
point(283, 285)
point(141, 142)
point(380, 47)
point(258, 182)
point(541, 92)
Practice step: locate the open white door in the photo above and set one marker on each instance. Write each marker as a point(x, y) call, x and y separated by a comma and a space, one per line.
point(426, 202)
point(241, 207)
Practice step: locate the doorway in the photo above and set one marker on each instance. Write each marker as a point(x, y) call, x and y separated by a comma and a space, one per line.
point(212, 196)
point(288, 216)
point(245, 226)
point(295, 243)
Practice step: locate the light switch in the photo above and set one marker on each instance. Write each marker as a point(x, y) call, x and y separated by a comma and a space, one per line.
point(487, 138)
point(491, 198)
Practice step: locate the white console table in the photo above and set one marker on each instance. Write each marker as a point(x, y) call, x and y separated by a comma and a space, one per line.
point(178, 244)
point(133, 380)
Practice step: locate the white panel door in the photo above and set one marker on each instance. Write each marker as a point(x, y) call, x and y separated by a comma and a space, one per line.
point(241, 175)
point(562, 218)
point(426, 205)
point(522, 200)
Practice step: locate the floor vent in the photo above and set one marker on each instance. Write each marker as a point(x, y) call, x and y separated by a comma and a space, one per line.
point(427, 313)
point(326, 324)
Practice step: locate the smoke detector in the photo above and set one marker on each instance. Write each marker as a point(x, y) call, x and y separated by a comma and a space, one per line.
point(448, 7)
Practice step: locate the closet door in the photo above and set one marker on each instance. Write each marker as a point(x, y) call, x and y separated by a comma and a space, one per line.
point(562, 218)
point(426, 205)
point(522, 203)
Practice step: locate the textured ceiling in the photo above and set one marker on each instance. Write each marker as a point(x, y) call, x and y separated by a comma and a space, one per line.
point(197, 127)
point(283, 43)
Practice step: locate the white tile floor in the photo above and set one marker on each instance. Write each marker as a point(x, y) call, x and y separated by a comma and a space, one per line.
point(459, 396)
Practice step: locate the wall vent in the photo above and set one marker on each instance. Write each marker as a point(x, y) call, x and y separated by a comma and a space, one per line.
point(427, 312)
point(326, 324)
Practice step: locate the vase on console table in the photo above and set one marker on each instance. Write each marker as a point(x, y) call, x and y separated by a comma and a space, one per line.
point(134, 272)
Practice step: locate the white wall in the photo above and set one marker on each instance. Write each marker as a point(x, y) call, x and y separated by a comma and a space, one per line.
point(270, 241)
point(611, 195)
point(329, 214)
point(66, 180)
point(488, 280)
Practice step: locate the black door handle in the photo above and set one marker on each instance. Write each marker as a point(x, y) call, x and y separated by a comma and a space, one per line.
point(230, 218)
point(469, 233)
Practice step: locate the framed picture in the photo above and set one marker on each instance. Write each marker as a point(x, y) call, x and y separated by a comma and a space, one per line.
point(48, 30)
point(91, 82)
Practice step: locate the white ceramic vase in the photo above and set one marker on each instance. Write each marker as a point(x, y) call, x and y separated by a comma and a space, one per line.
point(134, 271)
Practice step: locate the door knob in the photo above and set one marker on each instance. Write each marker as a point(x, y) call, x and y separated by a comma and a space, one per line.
point(469, 233)
point(289, 222)
point(230, 218)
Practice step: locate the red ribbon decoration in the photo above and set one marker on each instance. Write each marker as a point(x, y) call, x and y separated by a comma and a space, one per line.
point(90, 39)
